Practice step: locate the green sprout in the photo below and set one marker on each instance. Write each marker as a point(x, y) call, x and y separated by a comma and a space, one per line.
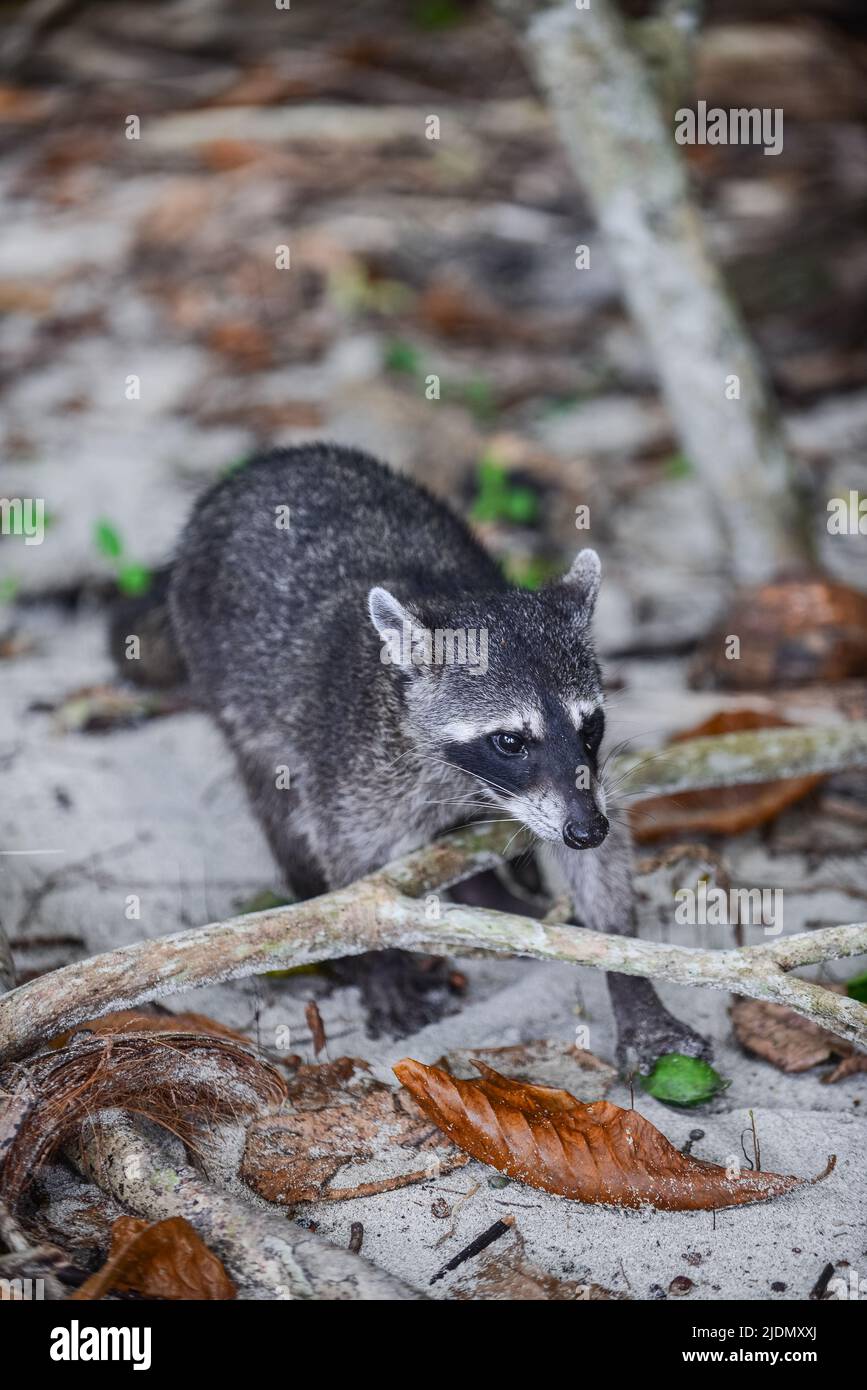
point(400, 356)
point(856, 988)
point(499, 499)
point(435, 14)
point(133, 579)
point(530, 572)
point(678, 466)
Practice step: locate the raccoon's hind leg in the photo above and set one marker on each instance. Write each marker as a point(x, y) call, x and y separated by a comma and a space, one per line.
point(600, 885)
point(402, 991)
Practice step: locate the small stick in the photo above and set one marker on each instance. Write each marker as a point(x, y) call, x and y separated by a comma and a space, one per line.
point(465, 1197)
point(756, 1146)
point(316, 1026)
point(756, 1163)
point(476, 1246)
point(817, 1293)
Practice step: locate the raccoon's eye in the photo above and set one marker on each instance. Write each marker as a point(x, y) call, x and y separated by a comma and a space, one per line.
point(592, 730)
point(510, 745)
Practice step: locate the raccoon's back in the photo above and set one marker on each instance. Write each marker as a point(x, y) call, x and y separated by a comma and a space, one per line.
point(274, 549)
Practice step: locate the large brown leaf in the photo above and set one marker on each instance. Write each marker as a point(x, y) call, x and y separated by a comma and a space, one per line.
point(790, 1042)
point(343, 1135)
point(592, 1153)
point(164, 1260)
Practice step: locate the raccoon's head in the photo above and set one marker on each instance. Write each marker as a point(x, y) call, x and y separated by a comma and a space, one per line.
point(507, 688)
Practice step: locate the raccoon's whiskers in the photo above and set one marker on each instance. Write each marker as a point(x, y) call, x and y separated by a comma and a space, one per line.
point(478, 776)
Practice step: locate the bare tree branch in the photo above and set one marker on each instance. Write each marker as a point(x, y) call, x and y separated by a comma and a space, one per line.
point(267, 1256)
point(623, 152)
point(387, 909)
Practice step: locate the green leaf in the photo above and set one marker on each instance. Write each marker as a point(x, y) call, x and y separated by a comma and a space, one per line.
point(294, 970)
point(492, 483)
point(400, 356)
point(530, 573)
point(435, 14)
point(522, 505)
point(236, 464)
point(856, 988)
point(133, 580)
point(678, 466)
point(107, 539)
point(263, 901)
point(499, 499)
point(8, 589)
point(679, 1080)
point(478, 396)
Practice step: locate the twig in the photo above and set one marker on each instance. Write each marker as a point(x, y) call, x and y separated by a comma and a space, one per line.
point(817, 1293)
point(316, 1026)
point(757, 1151)
point(476, 1246)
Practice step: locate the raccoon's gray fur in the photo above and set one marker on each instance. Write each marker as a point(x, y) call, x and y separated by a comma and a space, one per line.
point(305, 591)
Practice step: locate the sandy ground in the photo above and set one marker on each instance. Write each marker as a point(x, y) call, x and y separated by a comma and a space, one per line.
point(155, 259)
point(157, 812)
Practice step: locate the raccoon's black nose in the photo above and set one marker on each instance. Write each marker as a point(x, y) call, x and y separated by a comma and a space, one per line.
point(586, 834)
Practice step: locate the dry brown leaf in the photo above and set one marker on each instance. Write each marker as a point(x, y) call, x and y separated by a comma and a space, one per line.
point(790, 1042)
point(591, 1153)
point(721, 810)
point(244, 342)
point(343, 1122)
point(791, 631)
point(97, 709)
point(543, 1061)
point(848, 1067)
point(165, 1260)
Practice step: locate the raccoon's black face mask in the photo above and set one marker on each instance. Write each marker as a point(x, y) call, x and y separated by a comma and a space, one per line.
point(507, 688)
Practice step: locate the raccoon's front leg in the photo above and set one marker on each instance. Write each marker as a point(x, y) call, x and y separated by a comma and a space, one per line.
point(600, 885)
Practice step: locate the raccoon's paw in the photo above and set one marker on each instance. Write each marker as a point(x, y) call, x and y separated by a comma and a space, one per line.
point(402, 992)
point(645, 1028)
point(639, 1044)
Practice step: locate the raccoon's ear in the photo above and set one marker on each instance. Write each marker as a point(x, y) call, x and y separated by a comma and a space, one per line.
point(405, 639)
point(583, 578)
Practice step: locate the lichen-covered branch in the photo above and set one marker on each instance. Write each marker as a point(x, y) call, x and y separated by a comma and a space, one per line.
point(622, 149)
point(753, 755)
point(371, 915)
point(267, 1256)
point(388, 909)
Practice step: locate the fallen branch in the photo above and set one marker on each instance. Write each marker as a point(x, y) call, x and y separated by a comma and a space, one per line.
point(267, 1256)
point(372, 915)
point(387, 909)
point(623, 152)
point(750, 756)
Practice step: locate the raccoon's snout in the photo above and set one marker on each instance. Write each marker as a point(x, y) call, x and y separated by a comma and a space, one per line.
point(585, 834)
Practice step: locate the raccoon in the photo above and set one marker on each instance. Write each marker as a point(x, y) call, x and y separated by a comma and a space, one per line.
point(341, 623)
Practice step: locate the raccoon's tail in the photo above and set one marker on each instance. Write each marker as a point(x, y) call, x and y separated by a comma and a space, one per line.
point(155, 658)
